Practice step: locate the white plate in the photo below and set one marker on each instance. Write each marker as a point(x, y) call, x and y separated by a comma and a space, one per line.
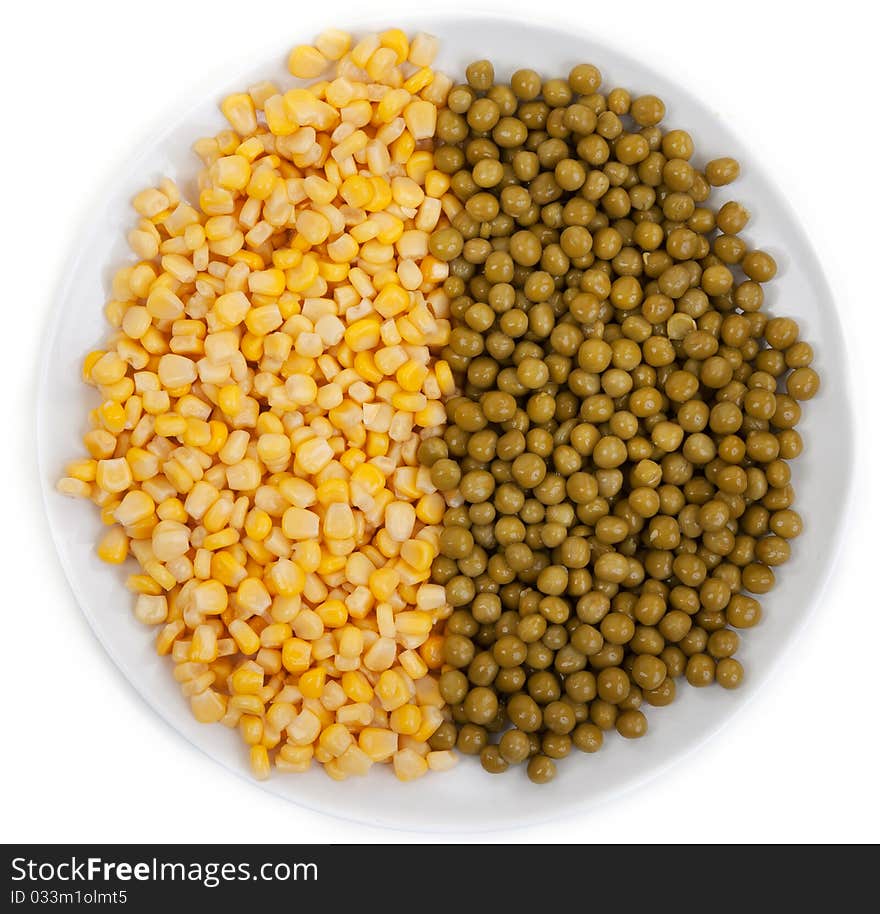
point(466, 798)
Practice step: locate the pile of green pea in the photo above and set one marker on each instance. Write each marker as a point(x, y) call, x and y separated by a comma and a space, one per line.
point(617, 463)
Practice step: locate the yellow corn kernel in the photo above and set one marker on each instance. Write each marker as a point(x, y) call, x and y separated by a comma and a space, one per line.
point(423, 49)
point(208, 707)
point(311, 682)
point(278, 120)
point(443, 373)
point(406, 720)
point(380, 196)
point(263, 320)
point(306, 62)
point(168, 635)
point(260, 762)
point(441, 760)
point(143, 584)
point(430, 508)
point(120, 391)
point(415, 623)
point(273, 448)
point(84, 470)
point(247, 640)
point(113, 547)
point(368, 477)
point(246, 680)
point(113, 475)
point(112, 416)
point(351, 642)
point(421, 119)
point(333, 272)
point(333, 491)
point(377, 444)
point(400, 516)
point(380, 64)
point(151, 610)
point(313, 455)
point(300, 524)
point(408, 401)
point(281, 714)
point(391, 690)
point(295, 758)
point(339, 521)
point(397, 40)
point(377, 743)
point(357, 191)
point(406, 192)
point(252, 346)
point(414, 666)
point(251, 259)
point(308, 625)
point(240, 111)
point(362, 335)
point(221, 539)
point(436, 183)
point(107, 509)
point(251, 148)
point(335, 739)
point(203, 648)
point(267, 282)
point(409, 765)
point(412, 375)
point(402, 148)
point(354, 761)
point(333, 613)
point(210, 597)
point(135, 508)
point(251, 729)
point(150, 203)
point(333, 43)
point(107, 369)
point(258, 524)
point(296, 655)
point(419, 80)
point(356, 686)
point(383, 582)
point(285, 578)
point(361, 52)
point(391, 301)
point(230, 398)
point(170, 425)
point(244, 476)
point(303, 275)
point(225, 568)
point(387, 546)
point(418, 553)
point(90, 361)
point(307, 555)
point(274, 635)
point(432, 416)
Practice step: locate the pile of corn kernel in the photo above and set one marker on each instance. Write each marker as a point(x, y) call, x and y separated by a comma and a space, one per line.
point(263, 394)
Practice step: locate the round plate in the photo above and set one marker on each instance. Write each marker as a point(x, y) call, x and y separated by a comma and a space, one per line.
point(465, 798)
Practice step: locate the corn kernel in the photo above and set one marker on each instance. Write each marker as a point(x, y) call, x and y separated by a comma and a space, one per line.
point(311, 683)
point(113, 547)
point(208, 707)
point(306, 62)
point(333, 43)
point(377, 743)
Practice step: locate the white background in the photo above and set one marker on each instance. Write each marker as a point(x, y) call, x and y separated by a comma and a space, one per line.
point(82, 757)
